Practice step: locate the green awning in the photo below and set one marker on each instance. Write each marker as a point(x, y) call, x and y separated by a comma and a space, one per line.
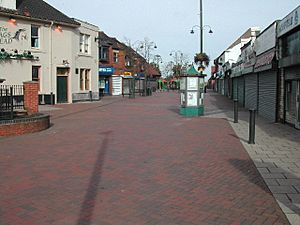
point(192, 71)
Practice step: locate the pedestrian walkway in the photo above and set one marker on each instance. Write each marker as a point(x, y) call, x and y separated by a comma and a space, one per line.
point(276, 153)
point(133, 161)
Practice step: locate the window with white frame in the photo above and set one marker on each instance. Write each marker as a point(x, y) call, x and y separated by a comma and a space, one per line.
point(84, 43)
point(36, 76)
point(85, 79)
point(116, 56)
point(35, 36)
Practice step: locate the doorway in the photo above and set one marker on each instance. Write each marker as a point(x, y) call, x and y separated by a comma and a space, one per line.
point(62, 85)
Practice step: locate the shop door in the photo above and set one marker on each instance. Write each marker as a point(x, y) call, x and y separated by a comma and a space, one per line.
point(106, 89)
point(62, 92)
point(297, 123)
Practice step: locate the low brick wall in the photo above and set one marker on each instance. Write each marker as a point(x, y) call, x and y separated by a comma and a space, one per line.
point(24, 125)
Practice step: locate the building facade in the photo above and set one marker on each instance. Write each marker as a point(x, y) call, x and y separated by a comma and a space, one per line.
point(289, 64)
point(40, 43)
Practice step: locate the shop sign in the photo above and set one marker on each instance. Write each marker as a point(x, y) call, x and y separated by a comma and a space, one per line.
point(127, 73)
point(5, 36)
point(106, 70)
point(266, 40)
point(289, 22)
point(248, 56)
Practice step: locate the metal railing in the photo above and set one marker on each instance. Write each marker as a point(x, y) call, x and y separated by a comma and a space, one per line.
point(11, 99)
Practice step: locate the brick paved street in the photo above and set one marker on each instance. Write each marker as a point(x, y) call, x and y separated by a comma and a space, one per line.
point(132, 161)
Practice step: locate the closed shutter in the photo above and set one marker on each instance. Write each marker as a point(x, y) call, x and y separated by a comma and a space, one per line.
point(241, 90)
point(226, 86)
point(267, 89)
point(251, 91)
point(116, 85)
point(235, 88)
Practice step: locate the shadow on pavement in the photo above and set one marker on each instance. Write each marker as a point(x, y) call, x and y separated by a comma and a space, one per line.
point(248, 168)
point(88, 205)
point(277, 189)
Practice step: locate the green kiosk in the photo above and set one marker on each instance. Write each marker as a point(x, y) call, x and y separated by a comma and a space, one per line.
point(192, 93)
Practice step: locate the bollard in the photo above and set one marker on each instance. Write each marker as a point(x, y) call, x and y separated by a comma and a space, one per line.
point(235, 111)
point(51, 98)
point(91, 96)
point(252, 126)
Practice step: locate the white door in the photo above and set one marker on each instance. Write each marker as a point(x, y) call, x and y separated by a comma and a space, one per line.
point(297, 122)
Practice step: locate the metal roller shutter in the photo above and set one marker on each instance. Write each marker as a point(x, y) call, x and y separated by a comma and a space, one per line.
point(235, 88)
point(226, 86)
point(251, 91)
point(267, 92)
point(241, 90)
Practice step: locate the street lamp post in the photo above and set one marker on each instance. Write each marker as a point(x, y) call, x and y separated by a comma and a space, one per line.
point(201, 27)
point(147, 46)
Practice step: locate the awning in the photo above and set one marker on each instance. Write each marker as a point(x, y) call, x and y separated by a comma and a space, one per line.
point(264, 59)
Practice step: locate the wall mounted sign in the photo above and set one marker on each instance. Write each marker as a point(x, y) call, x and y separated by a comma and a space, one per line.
point(289, 22)
point(7, 36)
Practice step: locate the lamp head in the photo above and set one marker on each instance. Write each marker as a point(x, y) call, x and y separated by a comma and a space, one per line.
point(192, 31)
point(210, 31)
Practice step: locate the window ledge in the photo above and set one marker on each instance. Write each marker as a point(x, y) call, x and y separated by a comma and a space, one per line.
point(85, 55)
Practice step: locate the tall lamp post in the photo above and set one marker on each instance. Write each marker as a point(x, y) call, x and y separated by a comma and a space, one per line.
point(201, 27)
point(147, 46)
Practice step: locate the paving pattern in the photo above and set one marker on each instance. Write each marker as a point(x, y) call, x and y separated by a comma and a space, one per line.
point(276, 153)
point(132, 161)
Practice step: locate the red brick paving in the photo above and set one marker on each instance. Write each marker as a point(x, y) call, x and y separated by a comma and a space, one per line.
point(134, 161)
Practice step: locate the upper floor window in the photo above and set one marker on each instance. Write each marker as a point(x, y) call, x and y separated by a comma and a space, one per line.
point(84, 43)
point(35, 36)
point(103, 53)
point(127, 61)
point(116, 56)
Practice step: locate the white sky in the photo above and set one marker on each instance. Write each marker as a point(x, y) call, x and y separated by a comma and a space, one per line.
point(168, 22)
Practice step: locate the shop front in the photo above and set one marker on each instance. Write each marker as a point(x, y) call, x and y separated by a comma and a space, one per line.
point(105, 74)
point(289, 63)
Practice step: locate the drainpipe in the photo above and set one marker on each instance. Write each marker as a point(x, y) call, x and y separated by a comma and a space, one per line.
point(51, 63)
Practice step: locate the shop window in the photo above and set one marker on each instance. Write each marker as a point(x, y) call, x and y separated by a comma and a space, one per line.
point(35, 37)
point(36, 74)
point(290, 87)
point(85, 79)
point(84, 43)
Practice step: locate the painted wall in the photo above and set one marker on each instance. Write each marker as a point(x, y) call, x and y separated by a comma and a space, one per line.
point(59, 48)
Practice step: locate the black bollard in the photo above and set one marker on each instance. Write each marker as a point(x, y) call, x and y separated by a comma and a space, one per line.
point(252, 126)
point(91, 96)
point(235, 111)
point(52, 101)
